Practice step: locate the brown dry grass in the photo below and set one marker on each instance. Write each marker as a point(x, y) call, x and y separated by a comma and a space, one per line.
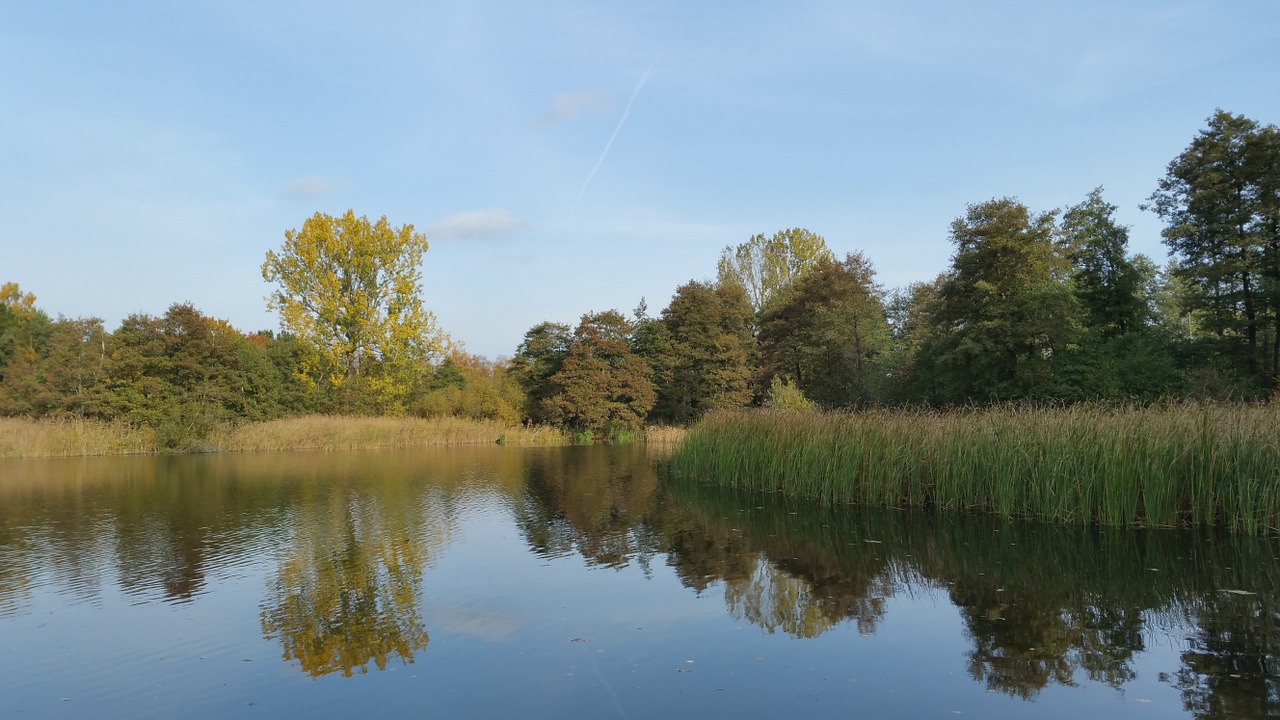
point(331, 432)
point(23, 437)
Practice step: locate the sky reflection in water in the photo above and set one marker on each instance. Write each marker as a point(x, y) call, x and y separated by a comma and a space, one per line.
point(573, 582)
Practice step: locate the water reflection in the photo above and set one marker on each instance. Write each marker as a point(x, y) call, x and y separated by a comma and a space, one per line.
point(350, 533)
point(1041, 605)
point(1230, 669)
point(348, 591)
point(344, 544)
point(592, 503)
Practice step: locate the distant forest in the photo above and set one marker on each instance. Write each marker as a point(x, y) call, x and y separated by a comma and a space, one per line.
point(1036, 306)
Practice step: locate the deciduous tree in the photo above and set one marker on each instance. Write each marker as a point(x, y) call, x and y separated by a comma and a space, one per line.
point(1005, 311)
point(828, 332)
point(762, 266)
point(602, 386)
point(1220, 200)
point(1107, 282)
point(707, 352)
point(352, 290)
point(537, 359)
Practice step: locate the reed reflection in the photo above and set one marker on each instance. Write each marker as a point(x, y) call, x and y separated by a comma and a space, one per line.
point(1041, 605)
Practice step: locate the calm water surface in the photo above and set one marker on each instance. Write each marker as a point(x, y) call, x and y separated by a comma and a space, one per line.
point(573, 582)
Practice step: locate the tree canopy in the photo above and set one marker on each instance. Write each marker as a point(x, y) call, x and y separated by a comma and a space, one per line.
point(764, 265)
point(1034, 306)
point(1005, 314)
point(351, 290)
point(602, 386)
point(827, 332)
point(1220, 199)
point(707, 356)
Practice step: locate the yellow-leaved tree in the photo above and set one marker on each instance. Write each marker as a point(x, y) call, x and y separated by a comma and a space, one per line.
point(351, 291)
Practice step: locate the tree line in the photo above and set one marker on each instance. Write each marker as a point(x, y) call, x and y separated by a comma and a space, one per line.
point(1036, 306)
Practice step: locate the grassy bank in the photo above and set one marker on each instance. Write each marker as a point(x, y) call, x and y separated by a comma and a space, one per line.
point(329, 432)
point(1167, 466)
point(20, 437)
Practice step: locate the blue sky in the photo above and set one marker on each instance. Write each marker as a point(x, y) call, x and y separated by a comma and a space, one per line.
point(567, 157)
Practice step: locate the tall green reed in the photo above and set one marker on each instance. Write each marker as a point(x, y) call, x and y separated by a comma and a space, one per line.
point(1206, 465)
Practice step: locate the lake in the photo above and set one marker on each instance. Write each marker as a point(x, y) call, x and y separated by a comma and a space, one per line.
point(578, 582)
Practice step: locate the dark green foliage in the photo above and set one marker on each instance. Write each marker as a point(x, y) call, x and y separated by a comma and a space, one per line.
point(284, 352)
point(702, 351)
point(1005, 314)
point(1108, 284)
point(186, 373)
point(446, 375)
point(60, 374)
point(68, 377)
point(180, 375)
point(24, 335)
point(538, 358)
point(602, 387)
point(1219, 200)
point(828, 332)
point(911, 312)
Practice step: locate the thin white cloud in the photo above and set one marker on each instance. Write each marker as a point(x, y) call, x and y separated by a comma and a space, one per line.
point(478, 225)
point(309, 187)
point(567, 106)
point(644, 77)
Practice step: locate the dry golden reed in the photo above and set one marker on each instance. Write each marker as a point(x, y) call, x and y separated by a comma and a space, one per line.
point(331, 432)
point(23, 437)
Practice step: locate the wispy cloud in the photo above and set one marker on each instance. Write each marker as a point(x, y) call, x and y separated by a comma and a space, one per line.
point(308, 187)
point(567, 106)
point(644, 77)
point(478, 225)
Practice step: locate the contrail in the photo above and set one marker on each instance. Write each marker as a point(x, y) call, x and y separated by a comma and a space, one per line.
point(634, 92)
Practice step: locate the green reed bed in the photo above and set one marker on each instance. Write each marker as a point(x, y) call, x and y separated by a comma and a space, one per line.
point(1162, 466)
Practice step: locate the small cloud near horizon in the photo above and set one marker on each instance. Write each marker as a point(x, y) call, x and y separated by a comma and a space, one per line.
point(308, 187)
point(567, 106)
point(478, 225)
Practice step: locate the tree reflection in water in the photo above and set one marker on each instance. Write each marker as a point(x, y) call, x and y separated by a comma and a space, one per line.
point(348, 591)
point(1041, 605)
point(1232, 668)
point(592, 501)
